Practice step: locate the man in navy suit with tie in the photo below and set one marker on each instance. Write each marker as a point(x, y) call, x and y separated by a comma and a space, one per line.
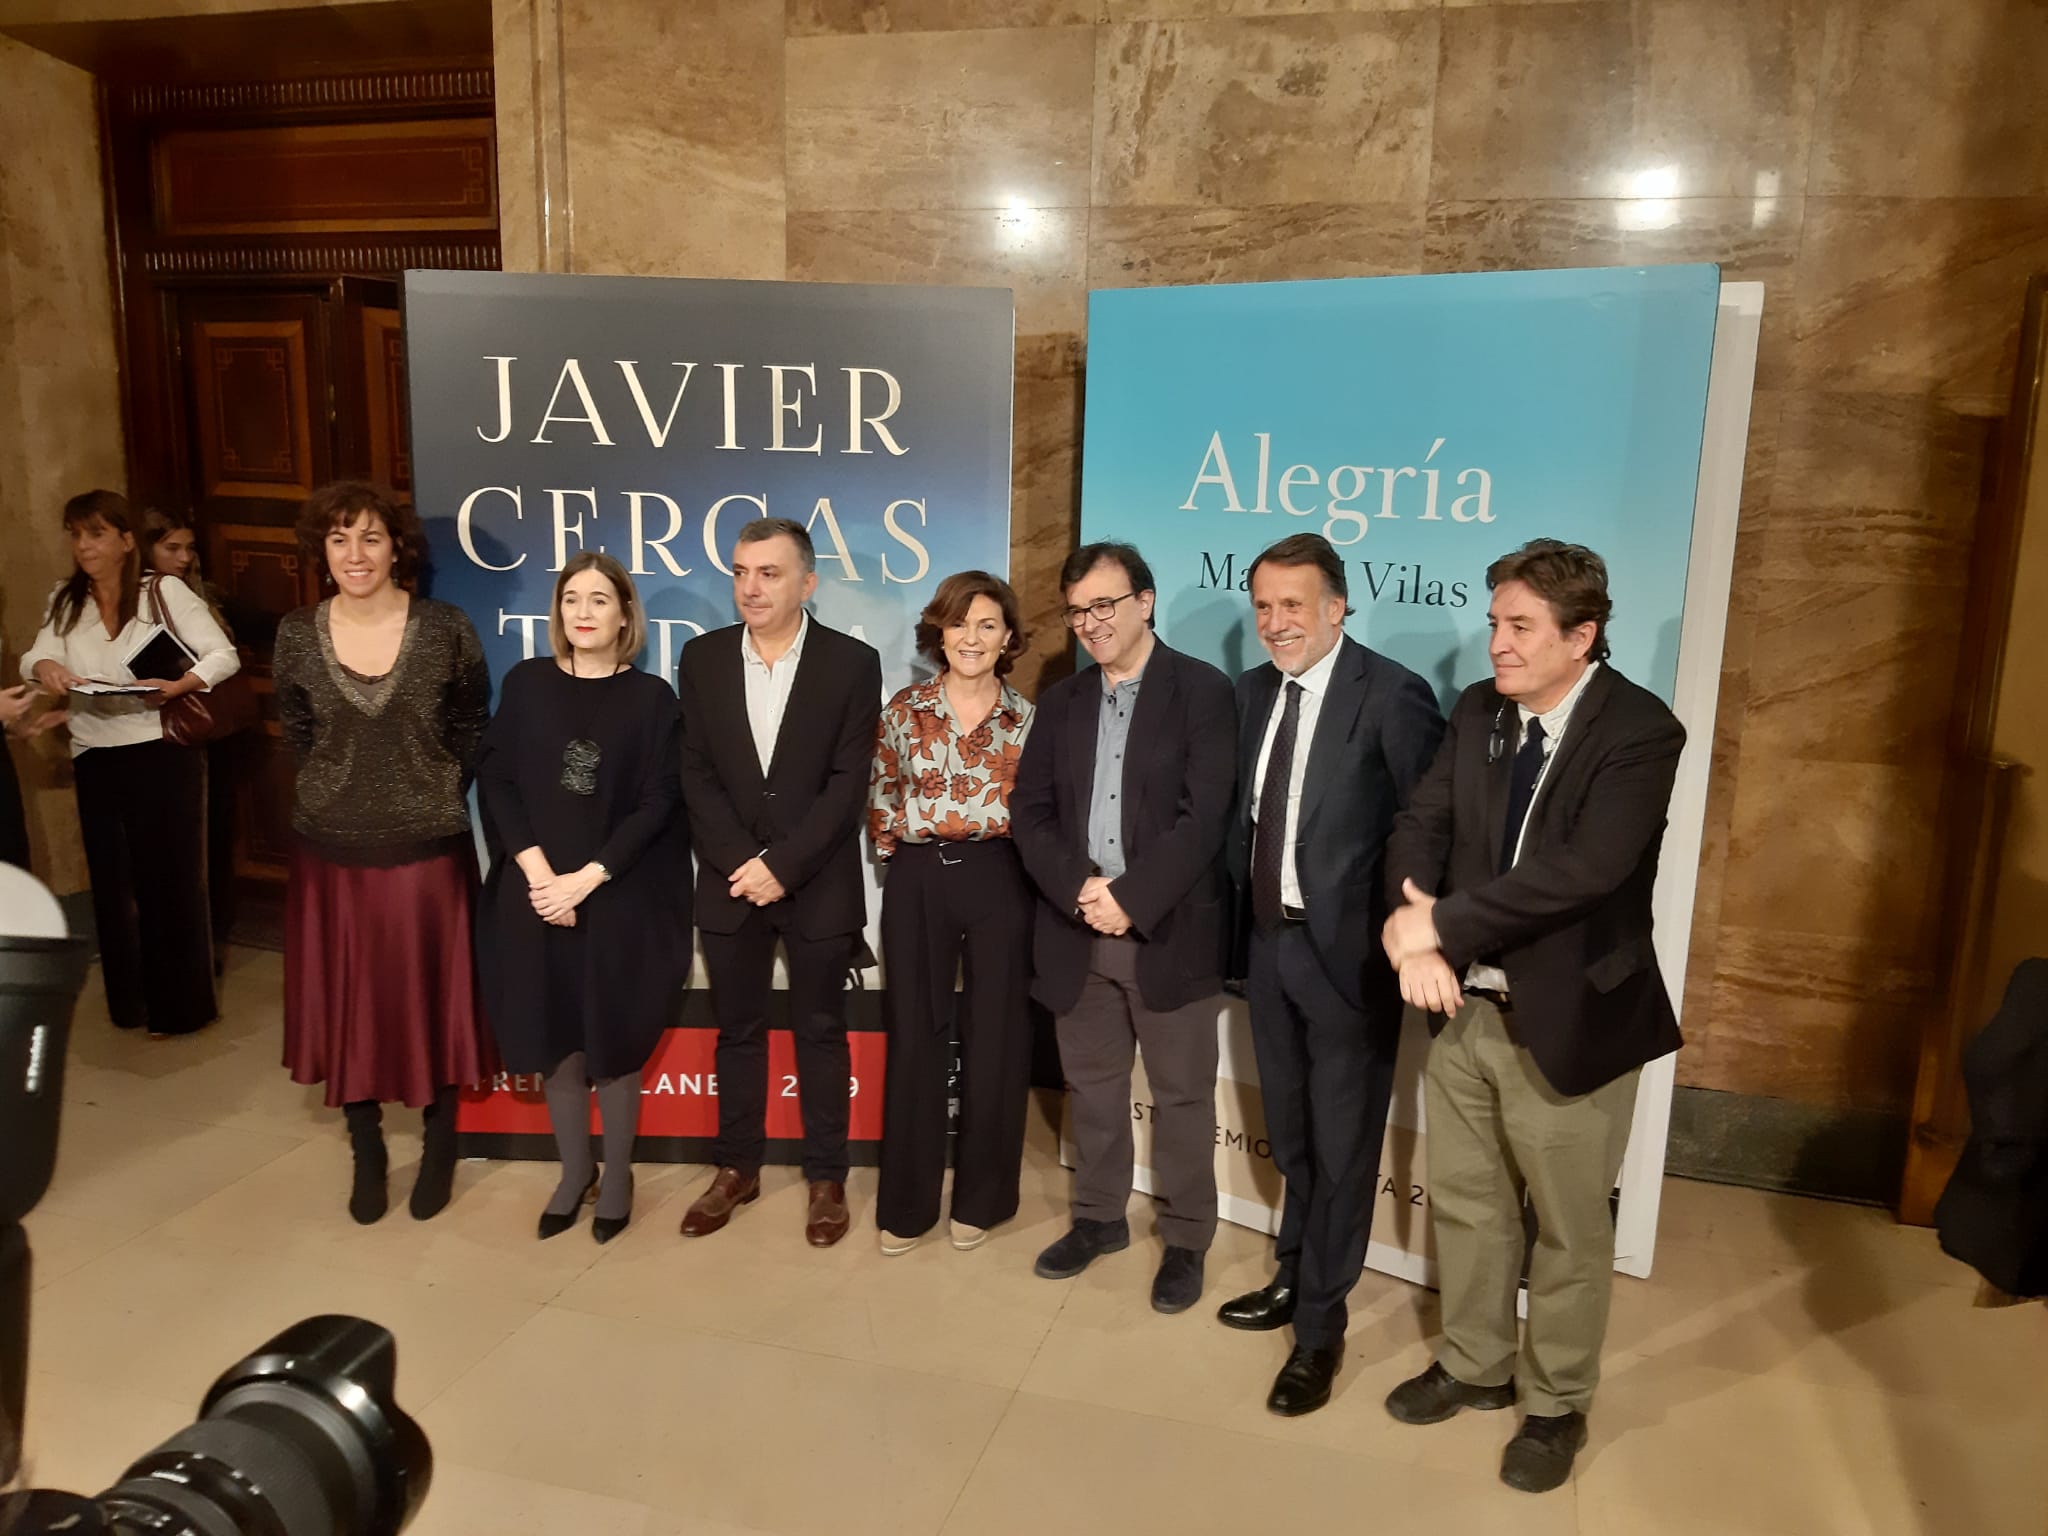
point(1522, 873)
point(1332, 737)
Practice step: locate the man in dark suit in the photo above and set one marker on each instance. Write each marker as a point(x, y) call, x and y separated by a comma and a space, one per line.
point(1122, 798)
point(1522, 869)
point(779, 718)
point(1331, 738)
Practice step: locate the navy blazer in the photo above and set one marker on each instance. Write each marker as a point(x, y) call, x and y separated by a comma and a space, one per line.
point(804, 816)
point(1570, 923)
point(1375, 735)
point(1179, 775)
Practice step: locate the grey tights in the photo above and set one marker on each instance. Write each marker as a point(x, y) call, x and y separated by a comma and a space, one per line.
point(618, 1106)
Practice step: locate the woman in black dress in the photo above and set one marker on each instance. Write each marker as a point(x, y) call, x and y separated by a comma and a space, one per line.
point(585, 936)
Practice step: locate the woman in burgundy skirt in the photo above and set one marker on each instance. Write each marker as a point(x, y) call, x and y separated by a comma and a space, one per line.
point(383, 697)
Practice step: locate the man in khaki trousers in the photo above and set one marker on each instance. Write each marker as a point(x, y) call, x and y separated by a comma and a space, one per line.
point(1521, 874)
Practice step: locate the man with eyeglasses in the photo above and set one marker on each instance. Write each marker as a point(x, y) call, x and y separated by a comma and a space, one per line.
point(1123, 797)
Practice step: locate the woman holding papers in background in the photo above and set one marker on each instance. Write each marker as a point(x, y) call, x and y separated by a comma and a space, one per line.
point(382, 697)
point(170, 547)
point(141, 799)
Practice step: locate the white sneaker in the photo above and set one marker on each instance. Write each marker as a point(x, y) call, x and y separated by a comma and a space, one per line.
point(894, 1246)
point(966, 1237)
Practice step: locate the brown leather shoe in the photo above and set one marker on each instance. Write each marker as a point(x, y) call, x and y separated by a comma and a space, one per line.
point(714, 1208)
point(829, 1218)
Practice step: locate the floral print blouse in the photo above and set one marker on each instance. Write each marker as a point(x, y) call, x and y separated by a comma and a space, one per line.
point(932, 783)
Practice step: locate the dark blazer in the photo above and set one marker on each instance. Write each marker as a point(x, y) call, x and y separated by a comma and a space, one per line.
point(1178, 780)
point(1570, 923)
point(1994, 1213)
point(804, 816)
point(1377, 731)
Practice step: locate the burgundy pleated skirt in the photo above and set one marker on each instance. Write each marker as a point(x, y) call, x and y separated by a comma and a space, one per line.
point(380, 993)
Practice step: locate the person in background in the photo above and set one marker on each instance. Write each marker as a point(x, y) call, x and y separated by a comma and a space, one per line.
point(170, 548)
point(141, 798)
point(19, 721)
point(1519, 878)
point(1120, 811)
point(957, 901)
point(382, 696)
point(583, 937)
point(779, 717)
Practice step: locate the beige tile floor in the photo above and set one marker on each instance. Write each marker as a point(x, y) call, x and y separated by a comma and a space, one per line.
point(1793, 1369)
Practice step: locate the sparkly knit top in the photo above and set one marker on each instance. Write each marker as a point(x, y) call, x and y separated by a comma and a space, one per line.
point(384, 762)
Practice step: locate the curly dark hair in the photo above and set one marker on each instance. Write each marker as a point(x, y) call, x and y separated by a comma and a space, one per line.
point(949, 606)
point(340, 504)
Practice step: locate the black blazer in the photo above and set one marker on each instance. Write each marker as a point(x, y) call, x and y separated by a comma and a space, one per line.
point(1570, 923)
point(1994, 1213)
point(1377, 731)
point(804, 816)
point(1178, 780)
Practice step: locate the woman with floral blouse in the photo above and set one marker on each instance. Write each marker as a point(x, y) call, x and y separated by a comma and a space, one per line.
point(957, 899)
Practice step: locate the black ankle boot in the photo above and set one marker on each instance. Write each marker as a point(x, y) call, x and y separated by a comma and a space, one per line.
point(436, 1180)
point(367, 1200)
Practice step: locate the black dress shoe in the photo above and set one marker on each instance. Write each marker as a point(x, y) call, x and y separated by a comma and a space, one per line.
point(1259, 1311)
point(605, 1228)
point(1085, 1242)
point(1436, 1394)
point(1303, 1384)
point(1178, 1285)
point(553, 1225)
point(1539, 1458)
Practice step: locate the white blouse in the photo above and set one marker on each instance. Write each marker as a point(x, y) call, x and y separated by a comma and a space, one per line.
point(90, 652)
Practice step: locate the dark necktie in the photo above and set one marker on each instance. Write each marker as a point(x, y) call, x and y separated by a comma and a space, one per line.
point(1269, 844)
point(1521, 790)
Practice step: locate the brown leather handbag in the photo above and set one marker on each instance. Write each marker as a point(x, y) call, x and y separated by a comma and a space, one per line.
point(206, 714)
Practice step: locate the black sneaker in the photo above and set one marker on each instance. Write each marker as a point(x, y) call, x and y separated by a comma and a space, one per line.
point(1436, 1394)
point(1178, 1285)
point(1539, 1458)
point(1086, 1242)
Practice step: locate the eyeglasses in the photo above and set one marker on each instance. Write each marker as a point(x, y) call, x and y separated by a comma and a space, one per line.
point(1101, 611)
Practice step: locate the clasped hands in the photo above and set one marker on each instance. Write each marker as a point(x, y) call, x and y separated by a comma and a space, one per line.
point(1099, 910)
point(754, 881)
point(1410, 941)
point(556, 897)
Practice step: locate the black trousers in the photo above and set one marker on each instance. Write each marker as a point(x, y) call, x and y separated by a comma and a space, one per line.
point(1326, 1072)
point(142, 815)
point(955, 909)
point(742, 969)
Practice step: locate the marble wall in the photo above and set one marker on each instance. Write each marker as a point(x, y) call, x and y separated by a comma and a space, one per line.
point(1883, 169)
point(60, 401)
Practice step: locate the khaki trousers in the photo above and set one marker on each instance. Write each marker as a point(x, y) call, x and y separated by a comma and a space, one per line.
point(1496, 1131)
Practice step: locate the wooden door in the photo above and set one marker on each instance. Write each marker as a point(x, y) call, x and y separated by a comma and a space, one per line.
point(283, 387)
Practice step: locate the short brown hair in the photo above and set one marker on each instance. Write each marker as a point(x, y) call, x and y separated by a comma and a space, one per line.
point(631, 638)
point(1299, 549)
point(1569, 577)
point(340, 504)
point(949, 606)
point(112, 509)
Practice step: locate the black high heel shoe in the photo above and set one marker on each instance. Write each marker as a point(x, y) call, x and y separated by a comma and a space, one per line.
point(605, 1228)
point(552, 1225)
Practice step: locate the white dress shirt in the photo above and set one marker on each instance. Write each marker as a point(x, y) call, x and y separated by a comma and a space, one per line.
point(1314, 684)
point(1491, 977)
point(90, 652)
point(768, 689)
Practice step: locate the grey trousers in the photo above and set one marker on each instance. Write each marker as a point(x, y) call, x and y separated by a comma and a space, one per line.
point(1498, 1131)
point(1099, 1040)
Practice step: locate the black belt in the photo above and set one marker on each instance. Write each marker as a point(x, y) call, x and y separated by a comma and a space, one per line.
point(1493, 995)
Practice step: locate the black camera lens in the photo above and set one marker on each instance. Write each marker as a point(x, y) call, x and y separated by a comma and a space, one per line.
point(303, 1438)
